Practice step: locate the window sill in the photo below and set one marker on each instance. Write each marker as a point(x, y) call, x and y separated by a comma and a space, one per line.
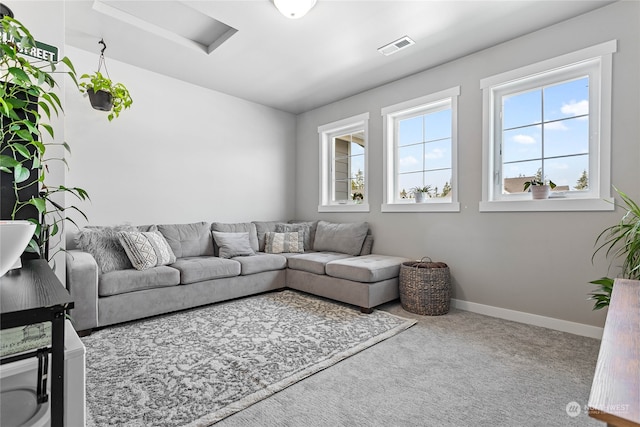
point(421, 207)
point(548, 205)
point(347, 207)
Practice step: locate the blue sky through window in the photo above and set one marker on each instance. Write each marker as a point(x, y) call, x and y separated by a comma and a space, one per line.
point(547, 128)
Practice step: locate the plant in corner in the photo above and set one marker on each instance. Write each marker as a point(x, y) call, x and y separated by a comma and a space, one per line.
point(28, 102)
point(621, 240)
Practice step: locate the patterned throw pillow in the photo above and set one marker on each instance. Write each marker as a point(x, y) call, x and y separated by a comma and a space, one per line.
point(277, 243)
point(103, 244)
point(146, 249)
point(302, 228)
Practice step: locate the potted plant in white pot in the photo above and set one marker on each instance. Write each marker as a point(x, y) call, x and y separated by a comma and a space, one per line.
point(421, 194)
point(539, 188)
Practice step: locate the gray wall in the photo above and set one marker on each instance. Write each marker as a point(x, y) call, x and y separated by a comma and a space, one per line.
point(531, 262)
point(182, 153)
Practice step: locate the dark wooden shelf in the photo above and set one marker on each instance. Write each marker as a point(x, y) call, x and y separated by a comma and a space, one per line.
point(31, 295)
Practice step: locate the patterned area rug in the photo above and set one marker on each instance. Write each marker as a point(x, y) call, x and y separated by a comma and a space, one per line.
point(197, 367)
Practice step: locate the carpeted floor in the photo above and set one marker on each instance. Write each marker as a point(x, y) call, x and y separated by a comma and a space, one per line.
point(196, 367)
point(461, 369)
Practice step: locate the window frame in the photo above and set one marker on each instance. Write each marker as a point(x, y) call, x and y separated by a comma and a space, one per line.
point(326, 133)
point(594, 61)
point(411, 108)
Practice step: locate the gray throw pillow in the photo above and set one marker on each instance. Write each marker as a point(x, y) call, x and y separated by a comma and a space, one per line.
point(187, 240)
point(261, 228)
point(233, 244)
point(238, 227)
point(303, 228)
point(346, 238)
point(103, 244)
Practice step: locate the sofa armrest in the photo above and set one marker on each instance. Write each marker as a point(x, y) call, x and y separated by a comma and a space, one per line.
point(82, 284)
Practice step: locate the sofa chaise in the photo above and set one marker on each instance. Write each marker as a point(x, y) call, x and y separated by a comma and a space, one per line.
point(123, 273)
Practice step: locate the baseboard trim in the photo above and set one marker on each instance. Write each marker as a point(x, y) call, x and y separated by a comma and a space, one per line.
point(531, 319)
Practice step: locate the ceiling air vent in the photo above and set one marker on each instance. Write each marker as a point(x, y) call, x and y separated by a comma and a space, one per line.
point(393, 47)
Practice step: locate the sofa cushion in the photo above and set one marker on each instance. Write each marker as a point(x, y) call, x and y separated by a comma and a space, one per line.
point(198, 269)
point(123, 281)
point(261, 228)
point(313, 262)
point(367, 246)
point(277, 243)
point(232, 244)
point(239, 227)
point(146, 249)
point(261, 262)
point(366, 268)
point(303, 228)
point(103, 244)
point(188, 240)
point(345, 237)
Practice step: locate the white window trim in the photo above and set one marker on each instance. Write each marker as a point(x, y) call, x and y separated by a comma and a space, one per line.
point(389, 113)
point(325, 179)
point(601, 199)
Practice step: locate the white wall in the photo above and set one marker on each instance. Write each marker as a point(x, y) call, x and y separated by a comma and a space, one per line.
point(536, 263)
point(180, 154)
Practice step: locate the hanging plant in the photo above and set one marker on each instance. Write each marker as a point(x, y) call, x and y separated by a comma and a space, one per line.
point(105, 95)
point(28, 100)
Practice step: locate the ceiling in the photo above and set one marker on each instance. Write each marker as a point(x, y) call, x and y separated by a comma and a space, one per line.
point(298, 65)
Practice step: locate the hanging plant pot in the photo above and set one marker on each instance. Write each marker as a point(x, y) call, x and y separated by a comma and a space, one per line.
point(100, 100)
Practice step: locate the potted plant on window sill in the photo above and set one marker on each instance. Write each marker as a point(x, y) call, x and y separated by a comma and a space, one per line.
point(357, 197)
point(539, 189)
point(421, 194)
point(105, 95)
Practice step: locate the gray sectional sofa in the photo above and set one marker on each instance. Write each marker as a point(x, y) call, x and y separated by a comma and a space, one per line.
point(115, 278)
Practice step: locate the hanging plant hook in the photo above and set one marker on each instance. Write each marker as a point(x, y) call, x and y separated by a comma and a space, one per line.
point(104, 46)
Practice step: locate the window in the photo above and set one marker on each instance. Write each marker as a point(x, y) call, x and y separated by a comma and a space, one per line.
point(549, 121)
point(420, 138)
point(343, 165)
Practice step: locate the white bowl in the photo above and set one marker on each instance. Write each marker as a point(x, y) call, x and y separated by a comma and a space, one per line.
point(14, 238)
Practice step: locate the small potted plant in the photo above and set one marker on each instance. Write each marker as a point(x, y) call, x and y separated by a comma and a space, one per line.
point(421, 194)
point(539, 188)
point(357, 197)
point(105, 95)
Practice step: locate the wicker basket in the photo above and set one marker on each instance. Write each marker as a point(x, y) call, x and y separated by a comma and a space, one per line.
point(425, 287)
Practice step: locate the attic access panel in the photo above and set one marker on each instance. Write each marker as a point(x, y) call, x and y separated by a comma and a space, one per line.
point(172, 20)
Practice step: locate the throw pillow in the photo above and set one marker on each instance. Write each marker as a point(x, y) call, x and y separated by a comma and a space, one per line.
point(103, 244)
point(303, 228)
point(238, 227)
point(233, 244)
point(146, 249)
point(346, 238)
point(277, 243)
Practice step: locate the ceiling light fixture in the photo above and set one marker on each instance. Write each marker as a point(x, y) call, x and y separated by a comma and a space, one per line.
point(294, 9)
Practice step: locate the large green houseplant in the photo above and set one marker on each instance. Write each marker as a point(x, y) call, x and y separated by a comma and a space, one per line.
point(619, 241)
point(28, 102)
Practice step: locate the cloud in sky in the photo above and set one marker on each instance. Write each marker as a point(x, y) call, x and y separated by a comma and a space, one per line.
point(407, 161)
point(524, 139)
point(574, 108)
point(436, 153)
point(555, 126)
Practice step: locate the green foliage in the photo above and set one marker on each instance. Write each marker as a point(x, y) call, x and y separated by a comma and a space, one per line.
point(537, 181)
point(423, 189)
point(583, 181)
point(620, 241)
point(98, 82)
point(28, 101)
